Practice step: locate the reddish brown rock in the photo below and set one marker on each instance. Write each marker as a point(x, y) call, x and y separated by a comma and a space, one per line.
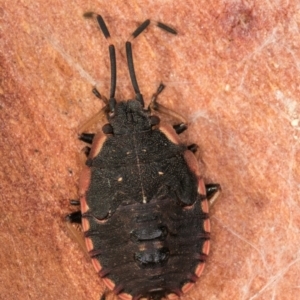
point(232, 71)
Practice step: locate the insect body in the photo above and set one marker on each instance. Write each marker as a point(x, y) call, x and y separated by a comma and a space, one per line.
point(144, 204)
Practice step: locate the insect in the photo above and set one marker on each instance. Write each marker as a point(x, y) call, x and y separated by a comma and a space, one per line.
point(143, 202)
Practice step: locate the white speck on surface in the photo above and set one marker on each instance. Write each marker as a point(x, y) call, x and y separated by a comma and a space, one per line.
point(290, 104)
point(227, 88)
point(295, 122)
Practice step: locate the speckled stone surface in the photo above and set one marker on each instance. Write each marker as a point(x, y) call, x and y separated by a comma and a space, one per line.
point(232, 71)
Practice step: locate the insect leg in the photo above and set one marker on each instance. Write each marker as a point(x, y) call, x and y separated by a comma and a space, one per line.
point(74, 217)
point(100, 116)
point(213, 191)
point(73, 223)
point(154, 105)
point(193, 148)
point(108, 295)
point(103, 297)
point(75, 202)
point(87, 137)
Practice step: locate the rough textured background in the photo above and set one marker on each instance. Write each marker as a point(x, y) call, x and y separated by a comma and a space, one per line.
point(233, 71)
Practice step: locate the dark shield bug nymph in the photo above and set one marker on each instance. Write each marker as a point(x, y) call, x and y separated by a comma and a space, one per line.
point(144, 204)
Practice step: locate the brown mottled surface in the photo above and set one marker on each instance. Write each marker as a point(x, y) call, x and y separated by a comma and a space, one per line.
point(233, 71)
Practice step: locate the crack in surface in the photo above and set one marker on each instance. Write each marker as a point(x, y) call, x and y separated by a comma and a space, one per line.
point(275, 278)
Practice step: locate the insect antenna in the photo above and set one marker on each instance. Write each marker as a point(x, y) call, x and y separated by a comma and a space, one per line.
point(128, 45)
point(112, 58)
